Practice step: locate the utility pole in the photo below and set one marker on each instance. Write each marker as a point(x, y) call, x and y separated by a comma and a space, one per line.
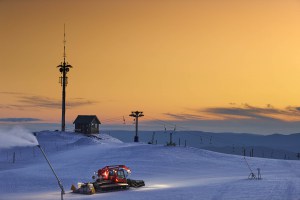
point(152, 140)
point(136, 114)
point(171, 139)
point(64, 68)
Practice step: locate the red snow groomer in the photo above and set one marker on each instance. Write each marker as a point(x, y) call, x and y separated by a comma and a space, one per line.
point(109, 178)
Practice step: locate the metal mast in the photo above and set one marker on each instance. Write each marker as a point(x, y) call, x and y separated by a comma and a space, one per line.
point(63, 80)
point(136, 114)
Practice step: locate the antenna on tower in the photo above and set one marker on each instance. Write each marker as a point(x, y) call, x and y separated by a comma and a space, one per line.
point(65, 41)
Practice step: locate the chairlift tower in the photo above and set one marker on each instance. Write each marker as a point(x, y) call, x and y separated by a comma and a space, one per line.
point(136, 114)
point(64, 68)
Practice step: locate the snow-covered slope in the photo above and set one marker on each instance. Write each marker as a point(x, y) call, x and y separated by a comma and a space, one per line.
point(169, 172)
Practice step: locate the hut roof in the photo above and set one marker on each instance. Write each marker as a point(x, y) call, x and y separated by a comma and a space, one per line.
point(86, 119)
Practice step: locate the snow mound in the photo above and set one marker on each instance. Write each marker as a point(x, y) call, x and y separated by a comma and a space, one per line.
point(86, 141)
point(51, 138)
point(109, 139)
point(96, 139)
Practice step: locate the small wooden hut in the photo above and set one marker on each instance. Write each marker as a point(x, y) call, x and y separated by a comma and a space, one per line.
point(87, 124)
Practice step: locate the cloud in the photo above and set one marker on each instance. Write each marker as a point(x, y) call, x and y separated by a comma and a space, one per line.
point(19, 119)
point(185, 116)
point(241, 112)
point(39, 101)
point(78, 103)
point(45, 102)
point(12, 93)
point(236, 118)
point(24, 101)
point(247, 111)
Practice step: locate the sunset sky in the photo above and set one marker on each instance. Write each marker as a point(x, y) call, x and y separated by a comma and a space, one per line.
point(209, 65)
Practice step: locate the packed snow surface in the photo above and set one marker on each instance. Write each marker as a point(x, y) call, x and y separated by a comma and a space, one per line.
point(169, 172)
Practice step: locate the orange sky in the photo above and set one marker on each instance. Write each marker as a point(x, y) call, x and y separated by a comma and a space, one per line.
point(180, 57)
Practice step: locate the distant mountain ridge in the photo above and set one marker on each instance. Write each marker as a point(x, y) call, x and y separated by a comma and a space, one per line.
point(270, 146)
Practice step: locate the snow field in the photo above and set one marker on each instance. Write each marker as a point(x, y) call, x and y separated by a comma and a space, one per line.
point(169, 172)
